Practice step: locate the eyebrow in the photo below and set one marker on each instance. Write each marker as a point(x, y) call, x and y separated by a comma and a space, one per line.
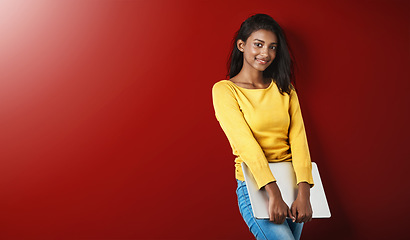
point(264, 41)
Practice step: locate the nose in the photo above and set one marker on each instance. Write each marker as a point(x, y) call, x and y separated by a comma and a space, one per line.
point(264, 51)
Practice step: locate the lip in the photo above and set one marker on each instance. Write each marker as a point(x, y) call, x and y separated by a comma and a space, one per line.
point(262, 61)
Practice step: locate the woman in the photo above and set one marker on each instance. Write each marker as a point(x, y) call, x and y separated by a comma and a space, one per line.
point(258, 109)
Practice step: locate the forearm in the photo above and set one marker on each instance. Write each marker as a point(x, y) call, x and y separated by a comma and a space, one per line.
point(304, 190)
point(273, 190)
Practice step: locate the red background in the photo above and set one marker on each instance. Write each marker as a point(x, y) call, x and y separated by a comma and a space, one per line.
point(107, 129)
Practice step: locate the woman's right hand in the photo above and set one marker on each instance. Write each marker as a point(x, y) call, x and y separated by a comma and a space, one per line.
point(278, 210)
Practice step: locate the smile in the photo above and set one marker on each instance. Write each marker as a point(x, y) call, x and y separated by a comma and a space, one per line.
point(262, 61)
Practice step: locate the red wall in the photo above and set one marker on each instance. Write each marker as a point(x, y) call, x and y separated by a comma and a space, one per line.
point(107, 129)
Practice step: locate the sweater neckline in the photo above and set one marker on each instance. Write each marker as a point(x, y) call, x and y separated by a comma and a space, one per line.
point(253, 89)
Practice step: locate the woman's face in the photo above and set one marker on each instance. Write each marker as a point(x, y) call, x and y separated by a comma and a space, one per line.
point(259, 50)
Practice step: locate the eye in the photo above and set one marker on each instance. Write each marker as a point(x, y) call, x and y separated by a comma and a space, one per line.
point(257, 44)
point(273, 47)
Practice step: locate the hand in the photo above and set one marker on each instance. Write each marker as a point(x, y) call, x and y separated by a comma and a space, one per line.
point(302, 210)
point(278, 209)
point(301, 207)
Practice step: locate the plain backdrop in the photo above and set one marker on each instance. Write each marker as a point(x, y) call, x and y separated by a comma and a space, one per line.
point(107, 129)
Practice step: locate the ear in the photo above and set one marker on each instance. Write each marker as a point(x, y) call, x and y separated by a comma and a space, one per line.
point(240, 45)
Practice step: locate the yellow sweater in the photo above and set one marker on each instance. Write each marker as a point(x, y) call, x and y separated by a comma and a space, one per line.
point(262, 126)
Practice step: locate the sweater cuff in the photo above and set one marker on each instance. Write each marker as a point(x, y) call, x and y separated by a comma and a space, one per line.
point(304, 174)
point(263, 176)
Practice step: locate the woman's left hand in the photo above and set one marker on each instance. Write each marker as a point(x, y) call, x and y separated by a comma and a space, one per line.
point(301, 208)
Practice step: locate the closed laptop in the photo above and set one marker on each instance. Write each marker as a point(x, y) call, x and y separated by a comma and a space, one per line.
point(286, 181)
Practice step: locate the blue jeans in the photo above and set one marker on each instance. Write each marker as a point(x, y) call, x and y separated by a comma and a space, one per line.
point(263, 228)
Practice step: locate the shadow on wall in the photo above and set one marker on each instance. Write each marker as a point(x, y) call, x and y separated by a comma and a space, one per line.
point(339, 222)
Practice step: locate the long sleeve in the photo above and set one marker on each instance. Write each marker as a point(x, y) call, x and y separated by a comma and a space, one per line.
point(298, 142)
point(233, 123)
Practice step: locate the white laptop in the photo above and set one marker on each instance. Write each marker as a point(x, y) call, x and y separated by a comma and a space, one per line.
point(286, 181)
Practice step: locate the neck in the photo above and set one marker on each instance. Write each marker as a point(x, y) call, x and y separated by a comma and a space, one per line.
point(251, 75)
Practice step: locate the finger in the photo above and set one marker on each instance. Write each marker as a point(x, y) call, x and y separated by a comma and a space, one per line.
point(290, 214)
point(305, 218)
point(274, 217)
point(278, 219)
point(286, 213)
point(271, 217)
point(299, 217)
point(310, 218)
point(294, 213)
point(282, 218)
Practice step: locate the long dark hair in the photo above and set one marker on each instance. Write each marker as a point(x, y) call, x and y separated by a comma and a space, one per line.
point(281, 69)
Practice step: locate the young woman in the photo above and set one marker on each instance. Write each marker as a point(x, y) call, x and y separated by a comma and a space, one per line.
point(258, 110)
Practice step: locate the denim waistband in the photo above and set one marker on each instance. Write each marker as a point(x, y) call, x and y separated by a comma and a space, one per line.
point(240, 183)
